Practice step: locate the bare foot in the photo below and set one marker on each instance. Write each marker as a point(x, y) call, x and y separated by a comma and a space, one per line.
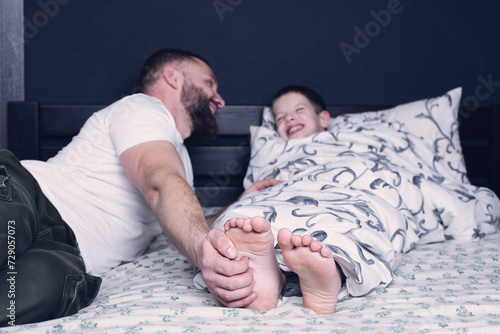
point(253, 238)
point(320, 280)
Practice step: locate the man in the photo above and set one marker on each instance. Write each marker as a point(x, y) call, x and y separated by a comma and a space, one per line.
point(98, 202)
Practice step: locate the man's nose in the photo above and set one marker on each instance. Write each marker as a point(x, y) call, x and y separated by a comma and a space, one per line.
point(219, 101)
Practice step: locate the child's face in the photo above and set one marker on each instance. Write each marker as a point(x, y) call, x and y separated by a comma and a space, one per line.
point(296, 118)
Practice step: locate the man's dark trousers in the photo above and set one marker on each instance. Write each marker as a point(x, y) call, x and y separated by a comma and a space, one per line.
point(42, 275)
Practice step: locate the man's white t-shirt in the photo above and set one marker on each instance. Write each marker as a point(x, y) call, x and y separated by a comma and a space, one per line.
point(86, 183)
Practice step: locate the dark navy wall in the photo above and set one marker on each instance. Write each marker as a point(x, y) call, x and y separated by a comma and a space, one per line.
point(352, 52)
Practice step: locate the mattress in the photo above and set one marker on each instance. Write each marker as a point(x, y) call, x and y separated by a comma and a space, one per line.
point(451, 286)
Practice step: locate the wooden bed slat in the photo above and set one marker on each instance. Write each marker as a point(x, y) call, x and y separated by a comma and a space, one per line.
point(219, 165)
point(67, 120)
point(216, 195)
point(64, 120)
point(232, 161)
point(23, 134)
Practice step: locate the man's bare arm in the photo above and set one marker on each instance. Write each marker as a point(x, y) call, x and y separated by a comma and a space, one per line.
point(157, 171)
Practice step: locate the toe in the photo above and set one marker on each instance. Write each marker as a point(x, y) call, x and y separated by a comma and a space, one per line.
point(284, 239)
point(306, 240)
point(296, 240)
point(326, 252)
point(260, 224)
point(315, 246)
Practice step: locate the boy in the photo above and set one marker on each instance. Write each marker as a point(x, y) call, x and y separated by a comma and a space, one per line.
point(299, 112)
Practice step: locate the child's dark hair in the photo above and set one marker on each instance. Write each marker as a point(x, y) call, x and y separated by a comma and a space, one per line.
point(313, 97)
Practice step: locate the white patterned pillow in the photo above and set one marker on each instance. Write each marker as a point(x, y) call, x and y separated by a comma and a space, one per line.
point(435, 120)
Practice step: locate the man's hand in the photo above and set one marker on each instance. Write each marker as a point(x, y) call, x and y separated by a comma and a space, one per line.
point(230, 281)
point(260, 185)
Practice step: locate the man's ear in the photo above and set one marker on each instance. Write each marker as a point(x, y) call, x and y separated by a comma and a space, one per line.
point(171, 76)
point(324, 119)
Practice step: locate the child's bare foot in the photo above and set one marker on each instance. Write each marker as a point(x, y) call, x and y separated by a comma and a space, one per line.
point(320, 280)
point(253, 238)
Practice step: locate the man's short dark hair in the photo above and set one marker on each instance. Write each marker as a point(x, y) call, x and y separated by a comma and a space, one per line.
point(313, 97)
point(152, 66)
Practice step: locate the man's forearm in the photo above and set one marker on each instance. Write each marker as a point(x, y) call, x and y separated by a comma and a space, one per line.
point(181, 216)
point(160, 177)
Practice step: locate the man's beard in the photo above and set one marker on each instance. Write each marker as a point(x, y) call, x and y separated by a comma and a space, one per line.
point(197, 104)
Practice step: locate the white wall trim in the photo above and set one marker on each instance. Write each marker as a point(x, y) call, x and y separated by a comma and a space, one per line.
point(11, 59)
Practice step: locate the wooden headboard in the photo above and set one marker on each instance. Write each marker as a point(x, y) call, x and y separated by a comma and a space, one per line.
point(39, 131)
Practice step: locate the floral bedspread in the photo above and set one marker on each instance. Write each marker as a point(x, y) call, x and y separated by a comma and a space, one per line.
point(447, 287)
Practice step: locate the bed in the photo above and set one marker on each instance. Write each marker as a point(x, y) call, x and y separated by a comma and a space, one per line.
point(449, 286)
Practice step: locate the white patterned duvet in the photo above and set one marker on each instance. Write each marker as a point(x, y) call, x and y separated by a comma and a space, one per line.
point(369, 189)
